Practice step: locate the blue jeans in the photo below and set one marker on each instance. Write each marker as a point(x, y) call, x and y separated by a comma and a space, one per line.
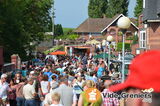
point(20, 101)
point(30, 102)
point(37, 103)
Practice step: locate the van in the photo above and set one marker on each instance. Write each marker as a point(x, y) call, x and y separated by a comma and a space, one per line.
point(53, 57)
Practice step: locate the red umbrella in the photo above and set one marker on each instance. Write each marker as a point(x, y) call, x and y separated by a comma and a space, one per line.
point(58, 53)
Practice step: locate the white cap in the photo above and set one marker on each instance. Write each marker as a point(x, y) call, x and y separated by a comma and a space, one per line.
point(3, 76)
point(32, 72)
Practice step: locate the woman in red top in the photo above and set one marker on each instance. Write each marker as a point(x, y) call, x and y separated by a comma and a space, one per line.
point(12, 93)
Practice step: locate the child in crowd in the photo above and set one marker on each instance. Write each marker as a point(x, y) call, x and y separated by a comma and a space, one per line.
point(56, 99)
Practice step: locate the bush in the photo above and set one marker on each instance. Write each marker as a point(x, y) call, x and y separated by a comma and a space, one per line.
point(119, 46)
point(72, 37)
point(69, 37)
point(130, 38)
point(67, 30)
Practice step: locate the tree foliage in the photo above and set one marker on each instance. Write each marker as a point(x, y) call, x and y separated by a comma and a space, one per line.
point(23, 22)
point(58, 30)
point(97, 8)
point(117, 7)
point(139, 8)
point(109, 8)
point(68, 37)
point(135, 39)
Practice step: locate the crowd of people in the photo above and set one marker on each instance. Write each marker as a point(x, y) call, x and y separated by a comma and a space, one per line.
point(58, 83)
point(63, 82)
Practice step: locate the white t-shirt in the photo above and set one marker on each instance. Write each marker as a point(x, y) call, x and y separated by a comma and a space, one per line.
point(28, 91)
point(3, 90)
point(44, 86)
point(56, 105)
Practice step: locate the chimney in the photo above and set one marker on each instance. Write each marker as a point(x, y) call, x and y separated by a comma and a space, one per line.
point(140, 21)
point(104, 16)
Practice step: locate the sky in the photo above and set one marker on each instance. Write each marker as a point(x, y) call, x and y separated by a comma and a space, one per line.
point(71, 13)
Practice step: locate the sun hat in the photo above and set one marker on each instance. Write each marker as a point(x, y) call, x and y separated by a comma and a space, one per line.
point(144, 73)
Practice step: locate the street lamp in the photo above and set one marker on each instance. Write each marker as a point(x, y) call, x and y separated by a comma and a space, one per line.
point(109, 39)
point(123, 23)
point(104, 48)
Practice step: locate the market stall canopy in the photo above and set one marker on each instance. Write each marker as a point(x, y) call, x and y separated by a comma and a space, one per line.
point(93, 42)
point(102, 55)
point(58, 53)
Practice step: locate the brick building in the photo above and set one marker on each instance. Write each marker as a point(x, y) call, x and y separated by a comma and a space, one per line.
point(149, 26)
point(100, 28)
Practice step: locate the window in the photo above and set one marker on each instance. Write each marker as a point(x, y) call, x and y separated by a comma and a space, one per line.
point(142, 39)
point(112, 32)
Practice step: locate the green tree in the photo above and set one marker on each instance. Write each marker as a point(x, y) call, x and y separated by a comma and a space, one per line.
point(109, 8)
point(97, 8)
point(117, 7)
point(58, 30)
point(139, 8)
point(23, 22)
point(135, 39)
point(61, 29)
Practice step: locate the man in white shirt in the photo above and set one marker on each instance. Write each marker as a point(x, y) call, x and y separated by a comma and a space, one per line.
point(3, 89)
point(29, 93)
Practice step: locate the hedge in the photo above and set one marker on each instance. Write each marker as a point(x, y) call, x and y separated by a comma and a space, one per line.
point(127, 46)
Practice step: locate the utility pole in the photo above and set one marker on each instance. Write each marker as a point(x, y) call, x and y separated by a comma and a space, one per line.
point(53, 22)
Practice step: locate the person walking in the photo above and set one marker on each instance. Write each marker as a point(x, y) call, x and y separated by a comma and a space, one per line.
point(53, 83)
point(101, 70)
point(107, 101)
point(3, 90)
point(83, 98)
point(68, 98)
point(45, 85)
point(19, 93)
point(12, 93)
point(29, 93)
